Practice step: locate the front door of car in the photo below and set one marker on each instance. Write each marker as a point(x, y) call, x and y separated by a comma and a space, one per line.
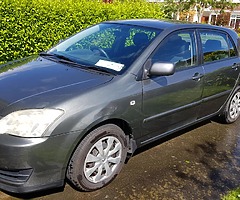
point(170, 102)
point(221, 66)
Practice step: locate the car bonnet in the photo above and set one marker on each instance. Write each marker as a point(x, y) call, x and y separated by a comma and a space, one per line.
point(43, 76)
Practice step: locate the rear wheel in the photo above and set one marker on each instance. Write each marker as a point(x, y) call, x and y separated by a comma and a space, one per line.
point(98, 158)
point(232, 109)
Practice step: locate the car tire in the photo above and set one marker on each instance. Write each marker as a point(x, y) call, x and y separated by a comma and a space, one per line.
point(98, 158)
point(232, 108)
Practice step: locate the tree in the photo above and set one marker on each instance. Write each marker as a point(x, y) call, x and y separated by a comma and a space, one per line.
point(224, 4)
point(223, 19)
point(201, 5)
point(173, 8)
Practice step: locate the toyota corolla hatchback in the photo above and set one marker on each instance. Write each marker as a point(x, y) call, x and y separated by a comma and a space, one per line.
point(80, 110)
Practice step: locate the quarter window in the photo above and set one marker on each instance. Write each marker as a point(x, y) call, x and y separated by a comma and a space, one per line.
point(215, 46)
point(178, 48)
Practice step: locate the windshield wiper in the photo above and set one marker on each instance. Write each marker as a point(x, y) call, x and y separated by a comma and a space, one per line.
point(46, 54)
point(85, 67)
point(100, 69)
point(55, 55)
point(66, 60)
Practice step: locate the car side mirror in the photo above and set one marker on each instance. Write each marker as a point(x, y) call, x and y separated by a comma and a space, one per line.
point(162, 69)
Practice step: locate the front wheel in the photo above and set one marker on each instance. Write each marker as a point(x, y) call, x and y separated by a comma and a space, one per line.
point(98, 158)
point(232, 109)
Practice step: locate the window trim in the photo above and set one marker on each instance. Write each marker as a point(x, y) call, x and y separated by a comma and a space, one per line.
point(230, 40)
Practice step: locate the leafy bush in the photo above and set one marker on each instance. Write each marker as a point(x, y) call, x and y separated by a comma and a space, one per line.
point(232, 195)
point(30, 26)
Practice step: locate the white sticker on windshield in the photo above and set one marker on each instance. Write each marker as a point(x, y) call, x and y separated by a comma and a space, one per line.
point(110, 65)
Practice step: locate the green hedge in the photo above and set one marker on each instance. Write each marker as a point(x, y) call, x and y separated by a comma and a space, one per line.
point(232, 195)
point(30, 26)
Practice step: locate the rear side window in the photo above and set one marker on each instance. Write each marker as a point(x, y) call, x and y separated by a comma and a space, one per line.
point(216, 46)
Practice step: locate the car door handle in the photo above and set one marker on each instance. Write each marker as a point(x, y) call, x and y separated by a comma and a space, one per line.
point(197, 76)
point(235, 66)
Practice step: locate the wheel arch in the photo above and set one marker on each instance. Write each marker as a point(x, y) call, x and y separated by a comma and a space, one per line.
point(118, 122)
point(221, 112)
point(126, 128)
point(131, 143)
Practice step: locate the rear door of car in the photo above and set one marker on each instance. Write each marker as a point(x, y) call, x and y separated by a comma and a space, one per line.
point(170, 102)
point(221, 65)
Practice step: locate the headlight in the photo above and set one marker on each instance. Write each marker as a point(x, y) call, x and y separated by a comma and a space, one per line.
point(29, 123)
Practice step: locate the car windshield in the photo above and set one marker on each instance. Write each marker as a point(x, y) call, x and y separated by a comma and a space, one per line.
point(108, 46)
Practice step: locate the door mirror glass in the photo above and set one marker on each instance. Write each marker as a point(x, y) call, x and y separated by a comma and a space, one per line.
point(162, 69)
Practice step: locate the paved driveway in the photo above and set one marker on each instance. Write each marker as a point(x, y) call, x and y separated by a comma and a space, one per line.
point(198, 163)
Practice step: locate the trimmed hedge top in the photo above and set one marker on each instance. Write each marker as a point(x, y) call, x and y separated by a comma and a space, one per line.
point(30, 26)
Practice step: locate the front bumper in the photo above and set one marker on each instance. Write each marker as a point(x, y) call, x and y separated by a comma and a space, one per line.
point(31, 164)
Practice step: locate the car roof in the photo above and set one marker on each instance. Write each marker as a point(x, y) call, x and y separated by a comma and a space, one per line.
point(151, 23)
point(160, 24)
point(166, 24)
point(172, 25)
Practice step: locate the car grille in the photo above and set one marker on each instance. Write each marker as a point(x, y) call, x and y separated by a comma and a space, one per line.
point(16, 176)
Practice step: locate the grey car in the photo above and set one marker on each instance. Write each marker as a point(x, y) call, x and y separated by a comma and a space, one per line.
point(81, 109)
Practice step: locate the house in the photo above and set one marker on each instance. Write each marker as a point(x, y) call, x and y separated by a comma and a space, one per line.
point(229, 18)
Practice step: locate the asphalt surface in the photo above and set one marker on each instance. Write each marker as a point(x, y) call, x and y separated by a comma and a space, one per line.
point(201, 162)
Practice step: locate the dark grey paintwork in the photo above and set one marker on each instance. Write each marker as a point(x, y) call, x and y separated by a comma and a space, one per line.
point(138, 104)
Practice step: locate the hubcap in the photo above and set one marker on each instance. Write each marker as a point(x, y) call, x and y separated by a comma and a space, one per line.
point(102, 159)
point(235, 106)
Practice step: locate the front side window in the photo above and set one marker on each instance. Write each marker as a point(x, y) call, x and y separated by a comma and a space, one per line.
point(215, 46)
point(108, 46)
point(178, 48)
